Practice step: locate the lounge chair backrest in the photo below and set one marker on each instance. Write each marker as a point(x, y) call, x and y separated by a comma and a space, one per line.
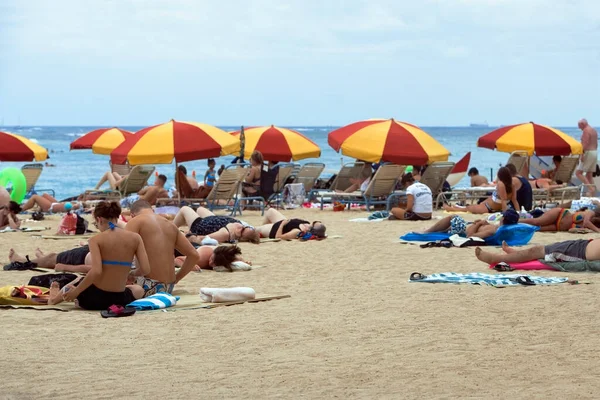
point(136, 180)
point(435, 175)
point(384, 181)
point(121, 169)
point(285, 171)
point(183, 185)
point(228, 184)
point(564, 172)
point(518, 159)
point(308, 175)
point(347, 172)
point(32, 173)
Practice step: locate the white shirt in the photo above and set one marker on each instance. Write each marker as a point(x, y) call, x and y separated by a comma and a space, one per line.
point(423, 202)
point(365, 184)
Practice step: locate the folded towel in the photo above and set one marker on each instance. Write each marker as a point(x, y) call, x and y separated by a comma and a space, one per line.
point(154, 302)
point(221, 295)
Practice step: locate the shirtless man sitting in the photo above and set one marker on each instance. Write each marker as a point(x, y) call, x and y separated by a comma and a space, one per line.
point(154, 192)
point(161, 237)
point(476, 179)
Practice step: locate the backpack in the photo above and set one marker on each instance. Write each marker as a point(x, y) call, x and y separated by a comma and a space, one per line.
point(72, 224)
point(82, 226)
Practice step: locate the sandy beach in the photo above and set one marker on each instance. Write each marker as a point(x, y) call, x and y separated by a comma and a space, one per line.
point(354, 327)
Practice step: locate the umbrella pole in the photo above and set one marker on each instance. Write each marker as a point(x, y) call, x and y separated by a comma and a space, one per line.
point(177, 185)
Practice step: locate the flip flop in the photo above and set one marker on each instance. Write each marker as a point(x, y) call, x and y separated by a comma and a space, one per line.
point(115, 311)
point(503, 267)
point(417, 276)
point(524, 280)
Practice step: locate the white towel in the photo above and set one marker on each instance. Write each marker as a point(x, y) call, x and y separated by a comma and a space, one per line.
point(221, 295)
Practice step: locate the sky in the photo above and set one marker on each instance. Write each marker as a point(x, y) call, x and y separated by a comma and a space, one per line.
point(299, 63)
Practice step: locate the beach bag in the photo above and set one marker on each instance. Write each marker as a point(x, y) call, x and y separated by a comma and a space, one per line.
point(23, 295)
point(68, 225)
point(82, 226)
point(46, 280)
point(293, 195)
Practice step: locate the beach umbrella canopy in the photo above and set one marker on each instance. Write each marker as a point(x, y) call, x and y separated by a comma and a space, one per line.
point(278, 144)
point(387, 140)
point(533, 138)
point(175, 140)
point(101, 141)
point(18, 148)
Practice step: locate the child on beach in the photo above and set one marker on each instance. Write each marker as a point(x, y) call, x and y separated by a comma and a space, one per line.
point(210, 176)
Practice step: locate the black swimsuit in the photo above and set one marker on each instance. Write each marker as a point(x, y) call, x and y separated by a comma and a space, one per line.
point(292, 224)
point(211, 224)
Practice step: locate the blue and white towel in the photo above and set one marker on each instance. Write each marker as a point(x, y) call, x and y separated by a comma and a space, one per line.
point(154, 302)
point(477, 278)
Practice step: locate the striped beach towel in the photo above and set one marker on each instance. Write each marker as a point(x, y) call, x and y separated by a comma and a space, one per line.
point(154, 302)
point(477, 278)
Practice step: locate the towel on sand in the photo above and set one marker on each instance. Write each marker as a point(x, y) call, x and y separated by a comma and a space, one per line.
point(477, 278)
point(513, 235)
point(221, 295)
point(154, 302)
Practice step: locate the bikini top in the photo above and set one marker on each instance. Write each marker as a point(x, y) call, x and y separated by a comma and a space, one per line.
point(120, 263)
point(112, 227)
point(210, 178)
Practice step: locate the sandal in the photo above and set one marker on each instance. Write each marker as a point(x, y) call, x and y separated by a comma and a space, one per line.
point(524, 280)
point(115, 311)
point(21, 266)
point(417, 276)
point(503, 267)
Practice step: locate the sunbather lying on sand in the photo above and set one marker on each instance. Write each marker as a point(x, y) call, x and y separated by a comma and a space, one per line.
point(224, 229)
point(455, 224)
point(112, 251)
point(215, 256)
point(78, 259)
point(48, 203)
point(570, 250)
point(562, 219)
point(276, 226)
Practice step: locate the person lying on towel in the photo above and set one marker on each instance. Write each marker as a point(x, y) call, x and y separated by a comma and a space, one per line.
point(78, 259)
point(567, 251)
point(216, 256)
point(456, 225)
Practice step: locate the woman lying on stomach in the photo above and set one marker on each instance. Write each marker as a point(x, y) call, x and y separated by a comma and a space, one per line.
point(112, 253)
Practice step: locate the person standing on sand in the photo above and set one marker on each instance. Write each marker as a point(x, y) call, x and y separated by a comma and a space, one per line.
point(161, 237)
point(589, 158)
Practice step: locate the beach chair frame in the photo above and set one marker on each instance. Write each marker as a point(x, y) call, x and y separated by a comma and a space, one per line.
point(32, 173)
point(380, 187)
point(135, 181)
point(341, 182)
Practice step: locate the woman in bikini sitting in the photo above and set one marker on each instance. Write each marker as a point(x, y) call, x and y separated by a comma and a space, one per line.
point(276, 226)
point(563, 220)
point(112, 253)
point(251, 183)
point(224, 229)
point(498, 201)
point(47, 203)
point(212, 257)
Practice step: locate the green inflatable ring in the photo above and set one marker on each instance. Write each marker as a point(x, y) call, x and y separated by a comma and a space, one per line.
point(15, 177)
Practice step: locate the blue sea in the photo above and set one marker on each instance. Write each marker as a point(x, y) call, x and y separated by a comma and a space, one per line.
point(78, 170)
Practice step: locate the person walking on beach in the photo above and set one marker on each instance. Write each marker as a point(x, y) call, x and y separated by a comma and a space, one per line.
point(161, 237)
point(589, 158)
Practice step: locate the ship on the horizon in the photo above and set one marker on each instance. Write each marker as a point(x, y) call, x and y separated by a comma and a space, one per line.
point(480, 125)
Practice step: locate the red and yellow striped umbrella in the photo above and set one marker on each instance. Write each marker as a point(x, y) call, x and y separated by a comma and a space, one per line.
point(18, 148)
point(182, 141)
point(533, 138)
point(387, 140)
point(101, 141)
point(278, 144)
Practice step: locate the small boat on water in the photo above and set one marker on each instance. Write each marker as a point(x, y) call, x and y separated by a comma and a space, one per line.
point(479, 125)
point(460, 170)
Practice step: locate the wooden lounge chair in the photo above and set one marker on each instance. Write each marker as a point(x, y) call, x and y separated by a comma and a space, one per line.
point(564, 173)
point(135, 181)
point(382, 184)
point(434, 177)
point(32, 173)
